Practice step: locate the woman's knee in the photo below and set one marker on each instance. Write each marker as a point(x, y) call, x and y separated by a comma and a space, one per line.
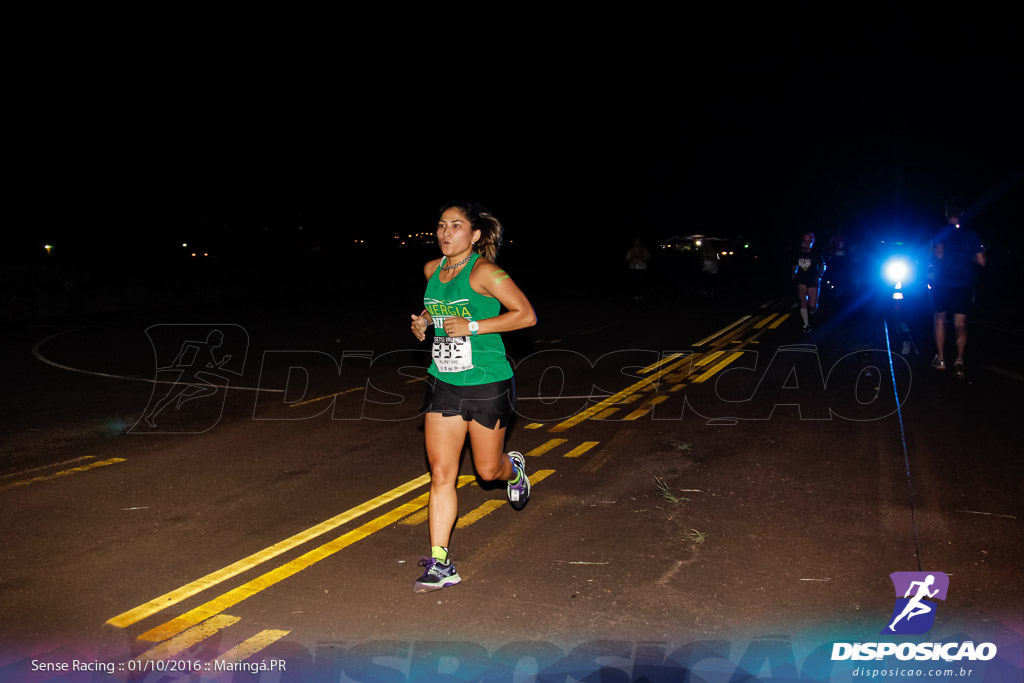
point(443, 475)
point(491, 470)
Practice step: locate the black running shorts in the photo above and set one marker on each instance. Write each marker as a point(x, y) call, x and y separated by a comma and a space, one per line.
point(489, 405)
point(808, 278)
point(952, 299)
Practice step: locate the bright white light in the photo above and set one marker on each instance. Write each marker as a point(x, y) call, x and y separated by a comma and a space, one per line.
point(896, 269)
point(897, 295)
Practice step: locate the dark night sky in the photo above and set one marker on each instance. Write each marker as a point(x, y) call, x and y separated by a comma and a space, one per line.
point(604, 126)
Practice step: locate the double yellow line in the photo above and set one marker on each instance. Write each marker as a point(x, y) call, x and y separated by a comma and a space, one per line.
point(673, 362)
point(55, 475)
point(208, 611)
point(210, 580)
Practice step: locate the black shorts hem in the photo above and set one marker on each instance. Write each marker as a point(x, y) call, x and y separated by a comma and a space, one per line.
point(489, 405)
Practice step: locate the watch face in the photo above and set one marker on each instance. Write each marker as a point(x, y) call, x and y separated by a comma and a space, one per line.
point(474, 326)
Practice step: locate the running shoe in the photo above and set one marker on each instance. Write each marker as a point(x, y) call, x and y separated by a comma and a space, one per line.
point(436, 575)
point(519, 492)
point(958, 370)
point(807, 328)
point(938, 364)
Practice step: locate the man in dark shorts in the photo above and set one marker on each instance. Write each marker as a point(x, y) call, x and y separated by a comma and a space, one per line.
point(955, 250)
point(808, 265)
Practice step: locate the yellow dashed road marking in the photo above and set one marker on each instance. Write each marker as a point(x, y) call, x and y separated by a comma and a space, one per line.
point(247, 648)
point(581, 449)
point(710, 358)
point(62, 473)
point(722, 331)
point(645, 408)
point(492, 505)
point(188, 638)
point(47, 467)
point(655, 366)
point(481, 512)
point(718, 367)
point(545, 447)
point(415, 518)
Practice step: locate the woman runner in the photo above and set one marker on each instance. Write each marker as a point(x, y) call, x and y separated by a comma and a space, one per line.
point(472, 390)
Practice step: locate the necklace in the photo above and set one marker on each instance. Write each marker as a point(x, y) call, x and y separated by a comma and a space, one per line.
point(456, 265)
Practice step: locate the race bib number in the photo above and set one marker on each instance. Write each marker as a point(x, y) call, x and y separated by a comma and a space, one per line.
point(451, 354)
point(804, 263)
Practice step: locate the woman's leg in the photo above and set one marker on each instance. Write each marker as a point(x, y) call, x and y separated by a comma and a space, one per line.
point(445, 437)
point(488, 452)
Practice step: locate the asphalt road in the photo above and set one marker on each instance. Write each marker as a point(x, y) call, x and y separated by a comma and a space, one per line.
point(713, 489)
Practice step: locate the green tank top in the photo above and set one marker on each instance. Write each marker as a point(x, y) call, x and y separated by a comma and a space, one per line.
point(469, 360)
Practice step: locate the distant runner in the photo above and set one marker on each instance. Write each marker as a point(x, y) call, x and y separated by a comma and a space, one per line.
point(838, 258)
point(472, 390)
point(955, 251)
point(808, 266)
point(637, 259)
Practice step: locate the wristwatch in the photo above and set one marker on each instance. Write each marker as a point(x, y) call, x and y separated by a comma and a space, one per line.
point(474, 327)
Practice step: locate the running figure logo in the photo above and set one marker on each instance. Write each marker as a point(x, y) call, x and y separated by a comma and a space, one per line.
point(914, 614)
point(201, 368)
